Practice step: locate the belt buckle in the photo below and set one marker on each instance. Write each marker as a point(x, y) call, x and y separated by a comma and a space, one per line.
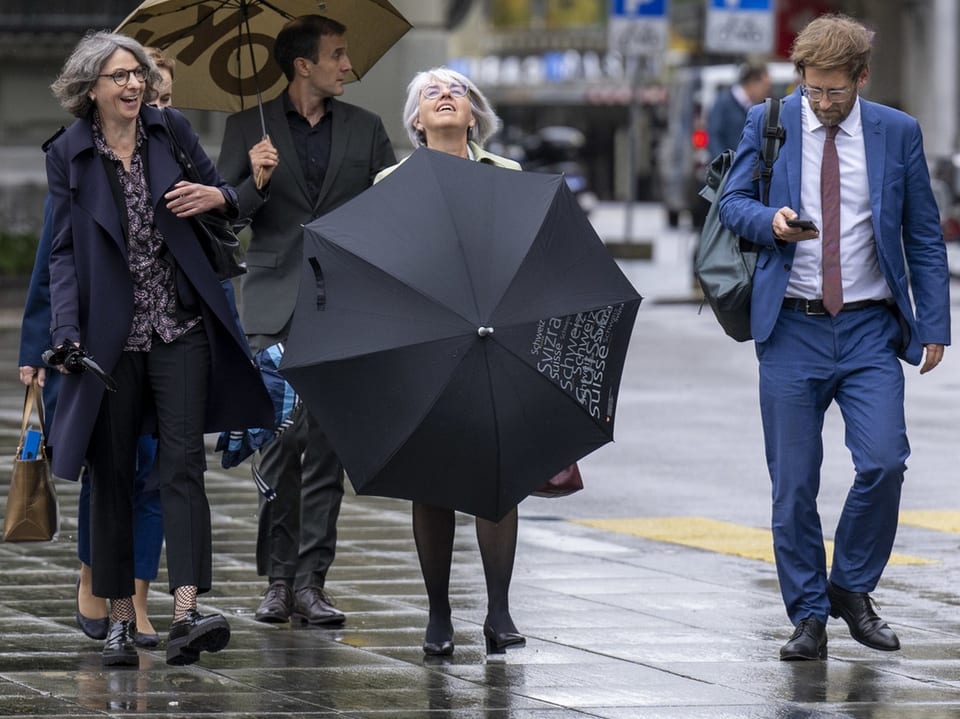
point(809, 311)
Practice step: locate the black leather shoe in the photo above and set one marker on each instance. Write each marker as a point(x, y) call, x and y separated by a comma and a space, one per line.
point(497, 642)
point(118, 650)
point(196, 633)
point(312, 606)
point(277, 604)
point(442, 648)
point(93, 628)
point(856, 609)
point(809, 641)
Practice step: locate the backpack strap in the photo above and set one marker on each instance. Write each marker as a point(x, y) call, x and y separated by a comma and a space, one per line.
point(773, 137)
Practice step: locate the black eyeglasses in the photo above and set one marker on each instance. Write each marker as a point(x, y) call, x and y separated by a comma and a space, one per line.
point(816, 94)
point(432, 92)
point(122, 77)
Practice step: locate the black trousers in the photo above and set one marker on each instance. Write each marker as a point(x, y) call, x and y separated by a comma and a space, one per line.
point(297, 537)
point(171, 378)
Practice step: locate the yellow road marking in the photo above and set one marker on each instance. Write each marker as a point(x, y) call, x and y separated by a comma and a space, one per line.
point(712, 535)
point(944, 520)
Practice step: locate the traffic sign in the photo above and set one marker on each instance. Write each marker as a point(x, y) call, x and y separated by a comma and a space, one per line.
point(638, 27)
point(739, 26)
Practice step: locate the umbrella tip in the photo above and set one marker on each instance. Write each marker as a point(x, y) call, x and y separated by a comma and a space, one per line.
point(484, 331)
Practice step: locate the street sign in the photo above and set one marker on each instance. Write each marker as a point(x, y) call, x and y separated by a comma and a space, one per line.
point(740, 26)
point(637, 27)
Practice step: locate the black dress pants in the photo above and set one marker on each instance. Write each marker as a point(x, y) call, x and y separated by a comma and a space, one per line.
point(297, 537)
point(172, 379)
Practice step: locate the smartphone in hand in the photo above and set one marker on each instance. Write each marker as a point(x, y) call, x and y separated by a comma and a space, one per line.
point(803, 224)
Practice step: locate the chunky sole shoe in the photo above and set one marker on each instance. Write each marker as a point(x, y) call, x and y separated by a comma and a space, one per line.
point(194, 634)
point(118, 650)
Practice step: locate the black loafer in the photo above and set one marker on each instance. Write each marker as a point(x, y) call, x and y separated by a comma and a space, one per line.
point(93, 628)
point(146, 641)
point(809, 641)
point(856, 609)
point(118, 650)
point(196, 633)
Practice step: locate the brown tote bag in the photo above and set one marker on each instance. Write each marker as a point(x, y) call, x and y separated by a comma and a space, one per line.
point(32, 513)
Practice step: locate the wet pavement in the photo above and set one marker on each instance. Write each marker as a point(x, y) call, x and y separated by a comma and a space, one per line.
point(621, 621)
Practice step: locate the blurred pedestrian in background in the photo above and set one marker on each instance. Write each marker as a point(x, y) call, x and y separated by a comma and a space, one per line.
point(445, 111)
point(832, 316)
point(318, 153)
point(729, 111)
point(130, 285)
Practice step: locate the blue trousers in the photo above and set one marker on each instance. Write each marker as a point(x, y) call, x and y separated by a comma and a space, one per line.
point(147, 516)
point(807, 363)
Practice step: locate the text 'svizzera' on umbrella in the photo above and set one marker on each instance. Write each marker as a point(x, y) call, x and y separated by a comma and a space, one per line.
point(460, 333)
point(223, 48)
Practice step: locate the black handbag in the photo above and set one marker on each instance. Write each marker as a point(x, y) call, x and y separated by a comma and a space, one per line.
point(219, 242)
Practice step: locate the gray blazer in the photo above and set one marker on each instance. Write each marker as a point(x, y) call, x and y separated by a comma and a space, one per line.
point(359, 149)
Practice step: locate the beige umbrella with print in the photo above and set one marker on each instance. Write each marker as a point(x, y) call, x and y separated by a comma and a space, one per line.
point(223, 48)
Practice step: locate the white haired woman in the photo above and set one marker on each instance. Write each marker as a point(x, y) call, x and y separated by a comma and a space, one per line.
point(445, 111)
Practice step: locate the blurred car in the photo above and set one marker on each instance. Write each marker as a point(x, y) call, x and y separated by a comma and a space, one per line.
point(682, 155)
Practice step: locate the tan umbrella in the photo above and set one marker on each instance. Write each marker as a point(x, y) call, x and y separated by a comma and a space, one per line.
point(223, 48)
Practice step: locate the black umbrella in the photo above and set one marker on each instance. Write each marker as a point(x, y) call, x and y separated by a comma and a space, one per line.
point(460, 333)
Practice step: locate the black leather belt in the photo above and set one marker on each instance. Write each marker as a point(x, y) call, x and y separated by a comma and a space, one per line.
point(815, 307)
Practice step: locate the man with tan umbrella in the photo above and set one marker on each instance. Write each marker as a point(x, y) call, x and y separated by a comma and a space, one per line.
point(318, 153)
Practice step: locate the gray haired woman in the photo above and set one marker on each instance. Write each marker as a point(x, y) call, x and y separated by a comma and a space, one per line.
point(131, 286)
point(445, 111)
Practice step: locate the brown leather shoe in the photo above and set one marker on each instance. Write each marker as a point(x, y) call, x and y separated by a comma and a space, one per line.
point(277, 604)
point(313, 606)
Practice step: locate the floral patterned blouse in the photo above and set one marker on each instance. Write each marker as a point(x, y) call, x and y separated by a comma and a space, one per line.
point(154, 292)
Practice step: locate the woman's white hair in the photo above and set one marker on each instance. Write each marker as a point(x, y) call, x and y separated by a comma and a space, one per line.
point(487, 122)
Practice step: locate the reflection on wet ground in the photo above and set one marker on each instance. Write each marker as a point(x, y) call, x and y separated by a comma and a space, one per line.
point(618, 627)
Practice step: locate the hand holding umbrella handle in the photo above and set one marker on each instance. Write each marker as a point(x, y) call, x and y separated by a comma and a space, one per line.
point(75, 359)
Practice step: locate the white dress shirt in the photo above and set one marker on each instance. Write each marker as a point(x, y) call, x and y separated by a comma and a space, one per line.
point(859, 268)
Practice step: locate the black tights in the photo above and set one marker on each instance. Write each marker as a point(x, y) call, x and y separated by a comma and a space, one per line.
point(433, 531)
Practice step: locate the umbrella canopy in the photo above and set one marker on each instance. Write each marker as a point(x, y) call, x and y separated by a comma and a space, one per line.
point(224, 48)
point(460, 333)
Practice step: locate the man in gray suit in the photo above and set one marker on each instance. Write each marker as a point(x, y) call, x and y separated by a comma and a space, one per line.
point(318, 153)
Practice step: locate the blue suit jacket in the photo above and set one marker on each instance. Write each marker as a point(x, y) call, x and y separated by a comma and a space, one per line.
point(906, 221)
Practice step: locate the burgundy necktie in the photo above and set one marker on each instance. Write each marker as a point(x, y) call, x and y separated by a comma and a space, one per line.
point(830, 232)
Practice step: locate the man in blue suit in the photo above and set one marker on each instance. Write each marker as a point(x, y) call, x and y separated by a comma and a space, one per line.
point(832, 317)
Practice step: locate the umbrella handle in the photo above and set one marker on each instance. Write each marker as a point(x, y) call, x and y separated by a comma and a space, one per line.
point(321, 283)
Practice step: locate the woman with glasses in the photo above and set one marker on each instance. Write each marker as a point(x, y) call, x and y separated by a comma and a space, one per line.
point(131, 286)
point(445, 111)
point(91, 612)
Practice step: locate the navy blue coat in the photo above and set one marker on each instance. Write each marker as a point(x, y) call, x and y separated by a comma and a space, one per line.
point(91, 290)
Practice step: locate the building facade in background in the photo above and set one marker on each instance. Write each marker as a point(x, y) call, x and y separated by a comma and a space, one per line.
point(565, 97)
